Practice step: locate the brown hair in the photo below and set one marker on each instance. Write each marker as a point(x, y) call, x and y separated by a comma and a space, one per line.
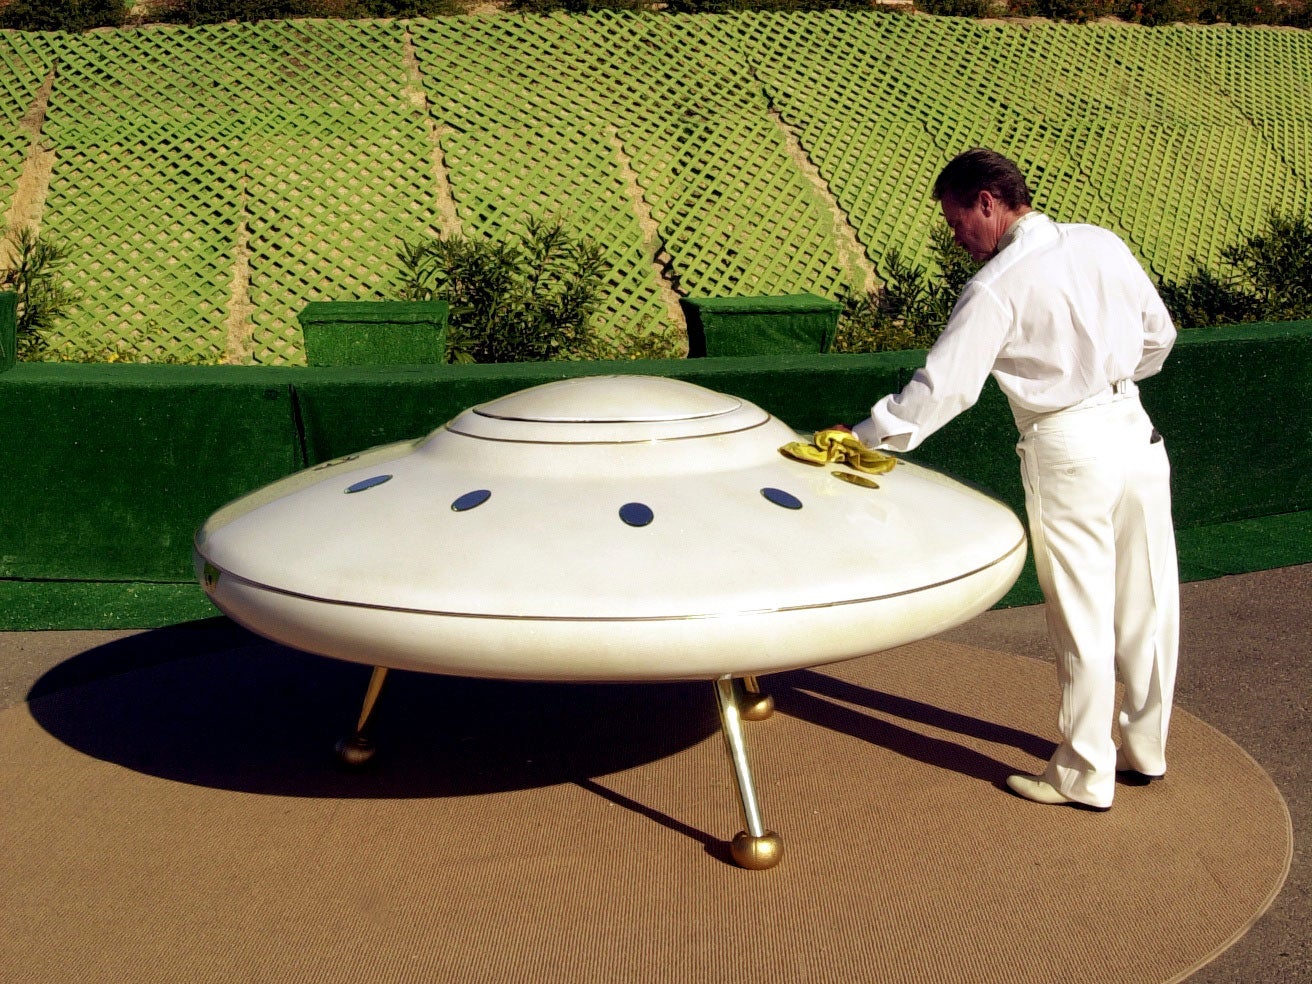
point(979, 169)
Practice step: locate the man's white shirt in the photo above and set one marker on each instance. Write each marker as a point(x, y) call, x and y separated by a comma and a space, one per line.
point(1060, 315)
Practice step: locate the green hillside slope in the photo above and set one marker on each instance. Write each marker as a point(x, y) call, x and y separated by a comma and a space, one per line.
point(211, 181)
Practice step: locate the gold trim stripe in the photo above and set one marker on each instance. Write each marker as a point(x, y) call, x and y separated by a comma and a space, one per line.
point(1020, 545)
point(481, 412)
point(637, 440)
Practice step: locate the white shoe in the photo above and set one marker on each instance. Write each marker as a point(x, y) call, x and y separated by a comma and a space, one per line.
point(1039, 790)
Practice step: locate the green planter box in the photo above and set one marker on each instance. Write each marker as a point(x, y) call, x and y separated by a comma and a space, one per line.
point(8, 329)
point(374, 333)
point(788, 324)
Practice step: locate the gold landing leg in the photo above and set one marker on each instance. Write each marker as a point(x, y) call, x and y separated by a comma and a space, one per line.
point(755, 848)
point(754, 705)
point(355, 750)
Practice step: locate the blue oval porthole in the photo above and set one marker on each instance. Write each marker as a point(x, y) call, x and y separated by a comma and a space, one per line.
point(781, 498)
point(471, 499)
point(636, 514)
point(368, 483)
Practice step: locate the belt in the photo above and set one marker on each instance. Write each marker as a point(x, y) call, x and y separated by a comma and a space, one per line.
point(1027, 419)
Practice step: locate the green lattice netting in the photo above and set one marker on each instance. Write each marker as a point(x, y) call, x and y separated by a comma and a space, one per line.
point(521, 149)
point(1267, 76)
point(25, 61)
point(669, 97)
point(13, 151)
point(327, 212)
point(270, 77)
point(1180, 139)
point(508, 176)
point(1129, 128)
point(300, 127)
point(149, 227)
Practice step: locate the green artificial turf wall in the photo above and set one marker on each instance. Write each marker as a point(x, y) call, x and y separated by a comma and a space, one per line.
point(8, 329)
point(1235, 407)
point(374, 333)
point(106, 471)
point(748, 326)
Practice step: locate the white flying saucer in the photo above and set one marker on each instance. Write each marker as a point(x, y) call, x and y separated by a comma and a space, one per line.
point(616, 528)
point(605, 528)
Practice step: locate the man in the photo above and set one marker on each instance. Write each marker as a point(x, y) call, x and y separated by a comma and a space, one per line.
point(1066, 321)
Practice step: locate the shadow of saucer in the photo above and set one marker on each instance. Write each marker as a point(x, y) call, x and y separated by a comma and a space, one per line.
point(213, 705)
point(872, 716)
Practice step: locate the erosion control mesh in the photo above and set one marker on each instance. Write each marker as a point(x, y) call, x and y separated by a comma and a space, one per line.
point(211, 181)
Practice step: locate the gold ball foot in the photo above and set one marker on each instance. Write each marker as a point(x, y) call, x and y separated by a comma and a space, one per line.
point(355, 751)
point(756, 853)
point(755, 707)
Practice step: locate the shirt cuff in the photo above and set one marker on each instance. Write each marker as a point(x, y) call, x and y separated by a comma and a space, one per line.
point(868, 433)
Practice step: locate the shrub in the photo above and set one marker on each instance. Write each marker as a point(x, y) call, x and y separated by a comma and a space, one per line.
point(157, 12)
point(1269, 279)
point(219, 11)
point(575, 6)
point(409, 8)
point(911, 308)
point(65, 15)
point(530, 301)
point(1237, 12)
point(1154, 13)
point(137, 348)
point(734, 6)
point(70, 14)
point(956, 8)
point(631, 343)
point(1203, 299)
point(687, 6)
point(1294, 13)
point(1275, 265)
point(43, 295)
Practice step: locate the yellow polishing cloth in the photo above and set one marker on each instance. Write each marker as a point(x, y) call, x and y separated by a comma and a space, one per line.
point(833, 446)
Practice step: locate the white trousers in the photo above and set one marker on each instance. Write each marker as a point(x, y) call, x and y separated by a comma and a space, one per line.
point(1097, 491)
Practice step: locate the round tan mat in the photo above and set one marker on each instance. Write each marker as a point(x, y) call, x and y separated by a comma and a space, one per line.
point(184, 821)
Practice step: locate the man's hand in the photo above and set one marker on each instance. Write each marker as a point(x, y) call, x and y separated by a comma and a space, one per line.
point(839, 427)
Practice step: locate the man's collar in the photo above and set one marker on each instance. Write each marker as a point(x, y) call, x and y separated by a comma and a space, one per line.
point(1014, 229)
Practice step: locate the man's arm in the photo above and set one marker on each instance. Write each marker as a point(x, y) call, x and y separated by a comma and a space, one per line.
point(954, 373)
point(1158, 338)
point(1158, 331)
